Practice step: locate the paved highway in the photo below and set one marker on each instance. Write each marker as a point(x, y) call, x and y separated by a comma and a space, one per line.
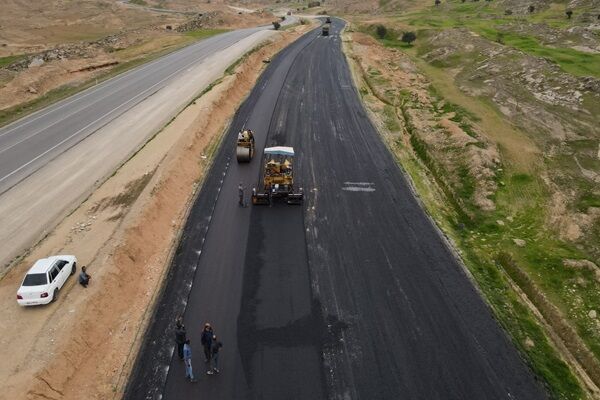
point(29, 143)
point(353, 295)
point(52, 159)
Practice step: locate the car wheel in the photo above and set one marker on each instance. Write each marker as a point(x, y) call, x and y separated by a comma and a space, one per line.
point(54, 295)
point(74, 268)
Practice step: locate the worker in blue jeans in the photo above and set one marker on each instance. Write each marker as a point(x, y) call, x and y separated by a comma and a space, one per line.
point(187, 358)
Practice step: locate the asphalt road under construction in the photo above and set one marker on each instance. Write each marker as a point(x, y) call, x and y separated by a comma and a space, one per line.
point(353, 295)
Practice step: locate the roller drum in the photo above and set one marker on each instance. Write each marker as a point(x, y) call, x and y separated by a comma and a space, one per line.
point(243, 154)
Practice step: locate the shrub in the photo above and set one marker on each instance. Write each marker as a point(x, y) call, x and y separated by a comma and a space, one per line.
point(408, 37)
point(314, 4)
point(569, 13)
point(508, 12)
point(381, 31)
point(531, 9)
point(276, 25)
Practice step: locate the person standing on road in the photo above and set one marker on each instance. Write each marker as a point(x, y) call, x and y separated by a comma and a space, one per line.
point(180, 336)
point(206, 340)
point(241, 194)
point(187, 357)
point(214, 352)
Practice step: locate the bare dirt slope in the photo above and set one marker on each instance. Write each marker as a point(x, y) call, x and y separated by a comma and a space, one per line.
point(124, 233)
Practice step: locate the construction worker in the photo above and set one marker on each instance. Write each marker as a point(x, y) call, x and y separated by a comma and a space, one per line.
point(241, 194)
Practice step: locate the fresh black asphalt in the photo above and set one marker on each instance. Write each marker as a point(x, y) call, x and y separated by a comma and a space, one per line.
point(353, 295)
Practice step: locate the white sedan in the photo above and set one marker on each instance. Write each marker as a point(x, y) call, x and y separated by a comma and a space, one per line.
point(44, 280)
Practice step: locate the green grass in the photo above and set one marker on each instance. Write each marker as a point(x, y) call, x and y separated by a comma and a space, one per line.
point(205, 33)
point(231, 69)
point(572, 61)
point(588, 200)
point(5, 61)
point(485, 20)
point(391, 121)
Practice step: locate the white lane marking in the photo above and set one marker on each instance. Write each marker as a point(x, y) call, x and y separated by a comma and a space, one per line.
point(107, 84)
point(359, 186)
point(78, 111)
point(93, 122)
point(358, 189)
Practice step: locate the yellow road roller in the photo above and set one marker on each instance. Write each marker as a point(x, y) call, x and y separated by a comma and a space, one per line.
point(245, 146)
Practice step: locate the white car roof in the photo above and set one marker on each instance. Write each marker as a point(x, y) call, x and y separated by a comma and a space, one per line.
point(43, 265)
point(280, 150)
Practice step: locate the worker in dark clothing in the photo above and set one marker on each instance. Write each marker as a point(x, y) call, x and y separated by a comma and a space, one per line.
point(206, 340)
point(84, 277)
point(214, 353)
point(241, 194)
point(180, 336)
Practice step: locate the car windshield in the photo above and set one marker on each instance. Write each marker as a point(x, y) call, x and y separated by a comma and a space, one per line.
point(35, 280)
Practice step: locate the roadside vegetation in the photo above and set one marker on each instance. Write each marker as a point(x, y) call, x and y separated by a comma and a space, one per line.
point(482, 113)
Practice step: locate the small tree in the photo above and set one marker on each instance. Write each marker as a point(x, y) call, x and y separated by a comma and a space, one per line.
point(408, 37)
point(438, 2)
point(569, 13)
point(531, 8)
point(381, 31)
point(276, 25)
point(508, 12)
point(500, 37)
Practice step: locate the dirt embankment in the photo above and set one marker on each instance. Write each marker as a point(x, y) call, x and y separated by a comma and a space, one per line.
point(415, 115)
point(125, 233)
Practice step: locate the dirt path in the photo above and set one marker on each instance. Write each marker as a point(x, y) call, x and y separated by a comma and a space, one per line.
point(124, 232)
